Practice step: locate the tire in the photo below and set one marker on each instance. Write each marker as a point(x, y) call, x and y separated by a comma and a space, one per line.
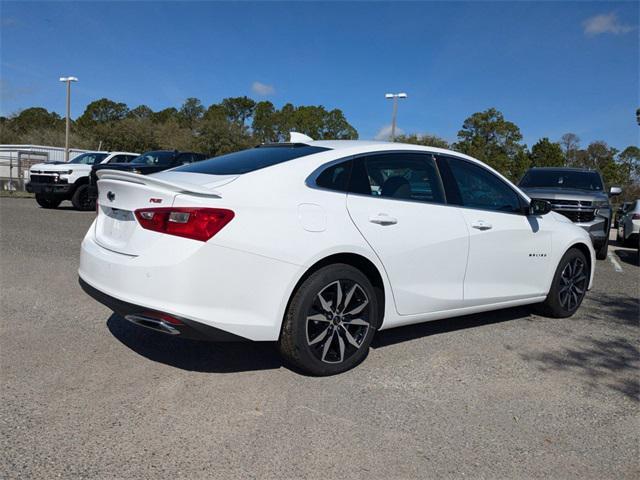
point(569, 277)
point(628, 241)
point(81, 200)
point(603, 251)
point(312, 318)
point(47, 202)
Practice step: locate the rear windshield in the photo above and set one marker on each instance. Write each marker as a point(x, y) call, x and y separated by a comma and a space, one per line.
point(249, 160)
point(570, 179)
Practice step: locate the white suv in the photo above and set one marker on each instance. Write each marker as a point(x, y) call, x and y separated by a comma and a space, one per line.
point(53, 182)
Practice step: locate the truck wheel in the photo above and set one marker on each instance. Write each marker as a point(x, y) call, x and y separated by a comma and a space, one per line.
point(81, 200)
point(47, 202)
point(603, 251)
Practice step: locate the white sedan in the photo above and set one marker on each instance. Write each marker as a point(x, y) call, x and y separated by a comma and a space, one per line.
point(319, 244)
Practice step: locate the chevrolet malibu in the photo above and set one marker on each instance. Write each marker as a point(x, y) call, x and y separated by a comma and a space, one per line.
point(319, 244)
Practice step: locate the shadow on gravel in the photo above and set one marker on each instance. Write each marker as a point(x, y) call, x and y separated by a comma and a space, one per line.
point(192, 355)
point(631, 257)
point(412, 332)
point(612, 309)
point(611, 363)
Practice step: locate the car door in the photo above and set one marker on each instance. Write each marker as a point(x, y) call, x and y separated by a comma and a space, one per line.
point(509, 251)
point(396, 201)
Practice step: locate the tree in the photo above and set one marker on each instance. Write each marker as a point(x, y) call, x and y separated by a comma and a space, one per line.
point(163, 116)
point(490, 138)
point(238, 109)
point(190, 112)
point(141, 111)
point(546, 154)
point(264, 123)
point(570, 144)
point(425, 139)
point(101, 112)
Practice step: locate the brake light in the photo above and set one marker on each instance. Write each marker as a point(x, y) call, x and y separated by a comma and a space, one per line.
point(635, 216)
point(194, 223)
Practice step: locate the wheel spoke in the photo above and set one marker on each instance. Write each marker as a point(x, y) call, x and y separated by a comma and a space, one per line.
point(327, 345)
point(318, 317)
point(320, 337)
point(347, 299)
point(581, 278)
point(579, 290)
point(356, 321)
point(359, 308)
point(325, 305)
point(350, 338)
point(338, 294)
point(341, 345)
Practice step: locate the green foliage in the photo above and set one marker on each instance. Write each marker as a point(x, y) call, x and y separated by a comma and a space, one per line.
point(490, 138)
point(101, 112)
point(426, 140)
point(546, 154)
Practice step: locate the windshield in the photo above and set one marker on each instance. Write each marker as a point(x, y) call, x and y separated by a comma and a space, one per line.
point(249, 160)
point(89, 158)
point(154, 158)
point(569, 179)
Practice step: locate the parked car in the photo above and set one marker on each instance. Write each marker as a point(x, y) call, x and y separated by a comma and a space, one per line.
point(149, 162)
point(629, 225)
point(54, 182)
point(319, 244)
point(579, 195)
point(619, 213)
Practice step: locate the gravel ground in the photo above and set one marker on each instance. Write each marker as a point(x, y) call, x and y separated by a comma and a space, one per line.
point(85, 394)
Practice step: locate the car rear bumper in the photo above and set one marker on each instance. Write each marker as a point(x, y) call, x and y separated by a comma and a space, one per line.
point(204, 284)
point(157, 320)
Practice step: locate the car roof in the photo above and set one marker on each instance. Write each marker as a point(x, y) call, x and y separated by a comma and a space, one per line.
point(568, 169)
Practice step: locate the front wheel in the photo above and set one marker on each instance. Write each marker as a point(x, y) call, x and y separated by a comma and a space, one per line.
point(330, 321)
point(569, 285)
point(47, 202)
point(603, 251)
point(81, 200)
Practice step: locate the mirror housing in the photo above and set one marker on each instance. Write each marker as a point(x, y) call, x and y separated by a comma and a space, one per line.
point(539, 207)
point(615, 191)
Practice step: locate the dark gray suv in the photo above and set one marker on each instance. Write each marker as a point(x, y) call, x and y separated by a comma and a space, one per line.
point(579, 195)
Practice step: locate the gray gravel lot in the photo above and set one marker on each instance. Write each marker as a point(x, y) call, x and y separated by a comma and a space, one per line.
point(507, 394)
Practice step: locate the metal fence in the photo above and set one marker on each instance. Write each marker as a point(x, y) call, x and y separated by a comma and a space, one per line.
point(16, 160)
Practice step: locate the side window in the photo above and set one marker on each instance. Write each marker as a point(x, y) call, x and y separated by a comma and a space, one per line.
point(117, 159)
point(335, 177)
point(403, 176)
point(479, 188)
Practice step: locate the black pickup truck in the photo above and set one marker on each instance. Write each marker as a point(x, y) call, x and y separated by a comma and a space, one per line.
point(149, 162)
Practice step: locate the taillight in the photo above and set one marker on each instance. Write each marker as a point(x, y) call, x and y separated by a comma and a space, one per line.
point(635, 216)
point(195, 223)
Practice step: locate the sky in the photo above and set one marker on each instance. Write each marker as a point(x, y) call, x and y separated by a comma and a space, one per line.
point(549, 67)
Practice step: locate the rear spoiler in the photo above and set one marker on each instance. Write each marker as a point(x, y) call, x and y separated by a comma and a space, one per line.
point(178, 187)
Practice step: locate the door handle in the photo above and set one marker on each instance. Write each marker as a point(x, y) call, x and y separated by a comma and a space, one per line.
point(383, 219)
point(481, 225)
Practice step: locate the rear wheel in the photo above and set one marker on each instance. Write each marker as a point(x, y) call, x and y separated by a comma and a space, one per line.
point(330, 321)
point(569, 285)
point(81, 199)
point(47, 202)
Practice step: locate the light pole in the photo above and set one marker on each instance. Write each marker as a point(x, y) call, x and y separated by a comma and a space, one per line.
point(395, 97)
point(68, 81)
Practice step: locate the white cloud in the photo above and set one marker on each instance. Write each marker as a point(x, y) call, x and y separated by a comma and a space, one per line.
point(605, 23)
point(262, 89)
point(385, 133)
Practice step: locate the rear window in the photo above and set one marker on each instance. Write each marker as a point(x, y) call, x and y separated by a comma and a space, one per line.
point(249, 160)
point(567, 179)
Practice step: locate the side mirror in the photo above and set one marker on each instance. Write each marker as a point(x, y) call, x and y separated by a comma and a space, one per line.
point(539, 207)
point(615, 191)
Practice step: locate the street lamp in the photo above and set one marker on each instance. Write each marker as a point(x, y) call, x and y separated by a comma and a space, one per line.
point(395, 97)
point(68, 81)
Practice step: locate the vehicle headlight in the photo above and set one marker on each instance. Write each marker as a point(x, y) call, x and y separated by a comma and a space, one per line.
point(65, 172)
point(135, 170)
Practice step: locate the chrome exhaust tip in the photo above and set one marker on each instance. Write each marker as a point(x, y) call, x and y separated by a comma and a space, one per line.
point(152, 323)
